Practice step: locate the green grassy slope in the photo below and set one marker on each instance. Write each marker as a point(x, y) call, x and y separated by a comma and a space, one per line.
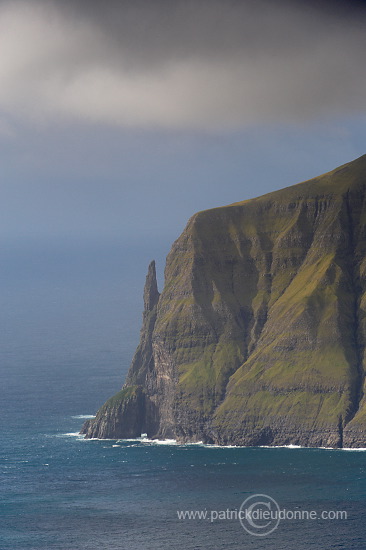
point(260, 311)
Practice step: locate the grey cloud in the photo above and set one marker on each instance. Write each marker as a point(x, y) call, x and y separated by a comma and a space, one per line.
point(205, 64)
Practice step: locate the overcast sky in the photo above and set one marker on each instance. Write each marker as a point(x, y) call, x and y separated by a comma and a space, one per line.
point(120, 119)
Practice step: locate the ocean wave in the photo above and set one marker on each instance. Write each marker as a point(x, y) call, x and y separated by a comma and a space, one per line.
point(288, 447)
point(147, 441)
point(160, 441)
point(71, 434)
point(214, 446)
point(150, 441)
point(85, 416)
point(358, 449)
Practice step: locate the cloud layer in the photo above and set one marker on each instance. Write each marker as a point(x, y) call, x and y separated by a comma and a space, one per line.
point(204, 64)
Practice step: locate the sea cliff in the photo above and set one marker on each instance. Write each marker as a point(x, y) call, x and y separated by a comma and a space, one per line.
point(259, 335)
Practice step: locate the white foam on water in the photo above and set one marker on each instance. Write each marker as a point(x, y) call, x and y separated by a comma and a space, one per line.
point(319, 448)
point(145, 440)
point(98, 438)
point(353, 449)
point(84, 416)
point(286, 447)
point(158, 441)
point(71, 434)
point(214, 446)
point(130, 440)
point(148, 441)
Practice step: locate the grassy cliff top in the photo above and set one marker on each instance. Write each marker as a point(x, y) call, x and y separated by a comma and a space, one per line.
point(351, 175)
point(348, 178)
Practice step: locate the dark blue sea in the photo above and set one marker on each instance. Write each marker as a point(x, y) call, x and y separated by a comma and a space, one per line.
point(70, 319)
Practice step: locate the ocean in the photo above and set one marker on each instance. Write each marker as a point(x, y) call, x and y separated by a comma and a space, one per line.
point(70, 320)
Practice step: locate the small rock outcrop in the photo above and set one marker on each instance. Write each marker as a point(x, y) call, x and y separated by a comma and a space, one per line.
point(121, 417)
point(259, 335)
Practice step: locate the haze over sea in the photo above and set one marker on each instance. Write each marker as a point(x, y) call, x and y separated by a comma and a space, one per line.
point(70, 318)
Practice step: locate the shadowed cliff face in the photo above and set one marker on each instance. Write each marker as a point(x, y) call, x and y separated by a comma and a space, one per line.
point(259, 334)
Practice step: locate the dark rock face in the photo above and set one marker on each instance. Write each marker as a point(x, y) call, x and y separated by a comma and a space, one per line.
point(151, 294)
point(143, 360)
point(259, 335)
point(122, 416)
